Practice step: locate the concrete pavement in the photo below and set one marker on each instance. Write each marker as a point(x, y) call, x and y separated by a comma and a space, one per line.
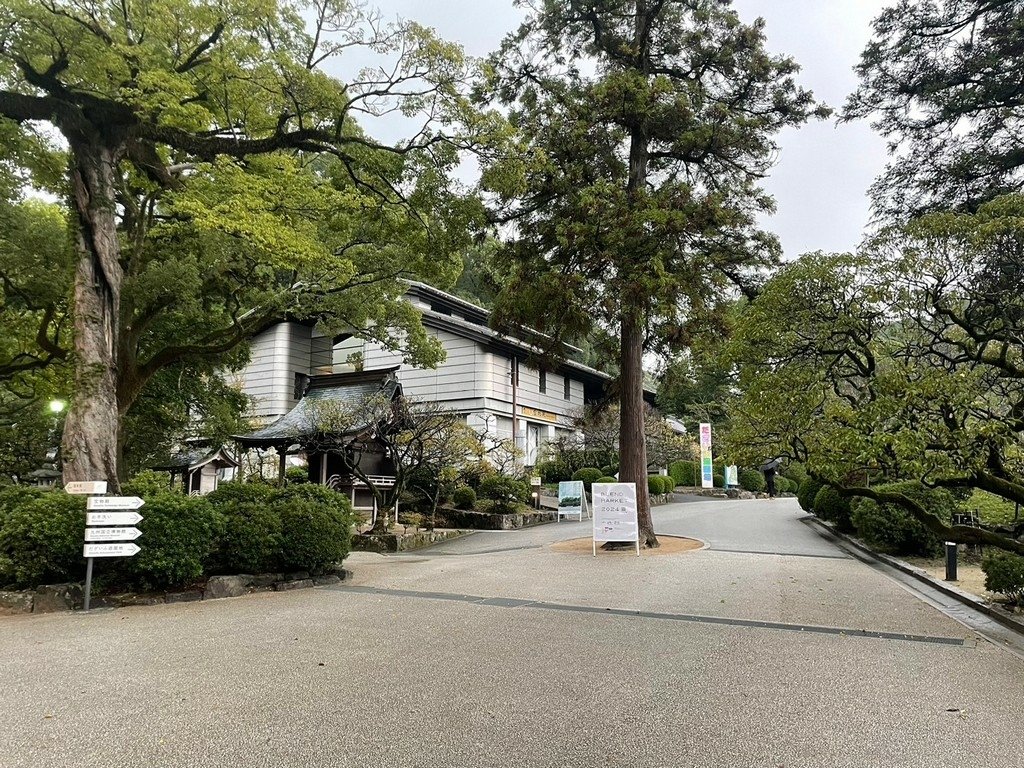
point(770, 648)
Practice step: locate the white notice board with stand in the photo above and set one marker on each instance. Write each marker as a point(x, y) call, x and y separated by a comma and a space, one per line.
point(615, 517)
point(571, 499)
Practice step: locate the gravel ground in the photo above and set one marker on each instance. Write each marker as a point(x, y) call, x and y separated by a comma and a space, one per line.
point(391, 671)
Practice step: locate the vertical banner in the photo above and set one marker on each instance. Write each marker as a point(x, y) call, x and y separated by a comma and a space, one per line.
point(571, 499)
point(707, 471)
point(615, 513)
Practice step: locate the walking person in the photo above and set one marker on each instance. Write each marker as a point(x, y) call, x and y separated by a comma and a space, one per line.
point(769, 469)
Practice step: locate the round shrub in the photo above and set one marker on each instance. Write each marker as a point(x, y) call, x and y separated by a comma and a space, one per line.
point(464, 497)
point(683, 473)
point(654, 485)
point(805, 494)
point(610, 470)
point(179, 536)
point(296, 475)
point(250, 541)
point(316, 527)
point(719, 481)
point(552, 471)
point(1004, 573)
point(147, 483)
point(890, 528)
point(41, 537)
point(783, 484)
point(503, 488)
point(588, 475)
point(751, 480)
point(795, 473)
point(830, 505)
point(606, 479)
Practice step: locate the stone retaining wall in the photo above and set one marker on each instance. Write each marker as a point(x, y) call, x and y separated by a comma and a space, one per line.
point(52, 598)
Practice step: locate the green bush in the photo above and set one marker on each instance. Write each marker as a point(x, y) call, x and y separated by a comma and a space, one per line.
point(795, 473)
point(296, 475)
point(751, 480)
point(606, 479)
point(588, 475)
point(719, 481)
point(891, 528)
point(504, 488)
point(683, 473)
point(654, 485)
point(805, 494)
point(1004, 573)
point(179, 537)
point(316, 527)
point(251, 538)
point(464, 497)
point(783, 484)
point(609, 470)
point(41, 536)
point(552, 471)
point(147, 483)
point(830, 505)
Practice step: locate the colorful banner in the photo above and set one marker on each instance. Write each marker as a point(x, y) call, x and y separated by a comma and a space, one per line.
point(707, 470)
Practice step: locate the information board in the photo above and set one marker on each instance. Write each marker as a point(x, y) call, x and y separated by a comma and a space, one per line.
point(615, 513)
point(732, 476)
point(571, 499)
point(707, 470)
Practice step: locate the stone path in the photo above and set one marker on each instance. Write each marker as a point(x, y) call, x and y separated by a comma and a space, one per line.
point(769, 648)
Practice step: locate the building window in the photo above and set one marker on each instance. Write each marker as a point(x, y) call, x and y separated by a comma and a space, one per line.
point(567, 388)
point(300, 385)
point(543, 381)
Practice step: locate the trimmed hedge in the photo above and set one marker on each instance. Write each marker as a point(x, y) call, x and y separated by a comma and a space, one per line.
point(606, 479)
point(830, 505)
point(316, 527)
point(683, 473)
point(805, 494)
point(719, 481)
point(654, 485)
point(1004, 573)
point(40, 537)
point(784, 484)
point(891, 528)
point(588, 475)
point(464, 497)
point(751, 480)
point(251, 537)
point(552, 471)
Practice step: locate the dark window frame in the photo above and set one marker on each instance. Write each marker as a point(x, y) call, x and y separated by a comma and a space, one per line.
point(567, 388)
point(543, 388)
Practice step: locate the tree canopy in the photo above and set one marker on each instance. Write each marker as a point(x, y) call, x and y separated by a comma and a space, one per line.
point(219, 179)
point(942, 80)
point(904, 362)
point(646, 127)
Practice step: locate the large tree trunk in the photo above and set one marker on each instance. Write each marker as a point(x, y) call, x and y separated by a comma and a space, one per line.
point(632, 448)
point(90, 446)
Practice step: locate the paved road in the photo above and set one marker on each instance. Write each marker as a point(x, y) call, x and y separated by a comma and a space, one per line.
point(769, 648)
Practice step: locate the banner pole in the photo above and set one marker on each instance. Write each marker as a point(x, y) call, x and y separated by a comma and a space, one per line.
point(88, 583)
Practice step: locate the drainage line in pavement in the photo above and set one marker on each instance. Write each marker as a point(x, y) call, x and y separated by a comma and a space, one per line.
point(780, 554)
point(507, 602)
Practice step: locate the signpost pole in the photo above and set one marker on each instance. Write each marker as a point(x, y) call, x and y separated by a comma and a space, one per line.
point(88, 583)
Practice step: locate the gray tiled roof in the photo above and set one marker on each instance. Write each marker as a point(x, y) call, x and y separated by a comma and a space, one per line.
point(348, 390)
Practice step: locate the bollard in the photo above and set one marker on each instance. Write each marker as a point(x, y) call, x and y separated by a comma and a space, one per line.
point(951, 551)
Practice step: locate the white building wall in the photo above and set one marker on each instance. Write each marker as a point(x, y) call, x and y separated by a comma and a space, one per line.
point(277, 355)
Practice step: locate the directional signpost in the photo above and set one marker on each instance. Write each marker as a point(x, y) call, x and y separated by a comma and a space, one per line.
point(114, 538)
point(84, 488)
point(112, 534)
point(112, 518)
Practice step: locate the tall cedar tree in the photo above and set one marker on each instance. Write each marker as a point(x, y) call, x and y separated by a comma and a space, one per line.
point(646, 127)
point(218, 102)
point(943, 81)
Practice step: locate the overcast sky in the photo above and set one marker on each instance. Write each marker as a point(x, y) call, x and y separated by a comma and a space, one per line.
point(824, 170)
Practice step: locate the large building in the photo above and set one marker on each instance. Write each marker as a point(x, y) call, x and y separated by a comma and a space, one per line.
point(486, 376)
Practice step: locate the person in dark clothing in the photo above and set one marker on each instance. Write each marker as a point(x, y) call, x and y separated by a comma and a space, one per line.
point(769, 480)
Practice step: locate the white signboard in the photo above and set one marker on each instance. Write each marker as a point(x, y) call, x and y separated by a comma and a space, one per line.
point(126, 549)
point(114, 502)
point(112, 534)
point(112, 518)
point(732, 476)
point(80, 487)
point(571, 499)
point(615, 513)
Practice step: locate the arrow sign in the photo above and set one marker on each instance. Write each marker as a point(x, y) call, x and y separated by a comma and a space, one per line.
point(115, 502)
point(110, 550)
point(80, 487)
point(112, 518)
point(112, 534)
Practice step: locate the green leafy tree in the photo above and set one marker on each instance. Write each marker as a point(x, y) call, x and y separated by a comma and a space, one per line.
point(218, 179)
point(903, 363)
point(646, 127)
point(942, 79)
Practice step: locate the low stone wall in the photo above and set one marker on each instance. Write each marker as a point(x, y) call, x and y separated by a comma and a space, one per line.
point(401, 542)
point(52, 598)
point(487, 521)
